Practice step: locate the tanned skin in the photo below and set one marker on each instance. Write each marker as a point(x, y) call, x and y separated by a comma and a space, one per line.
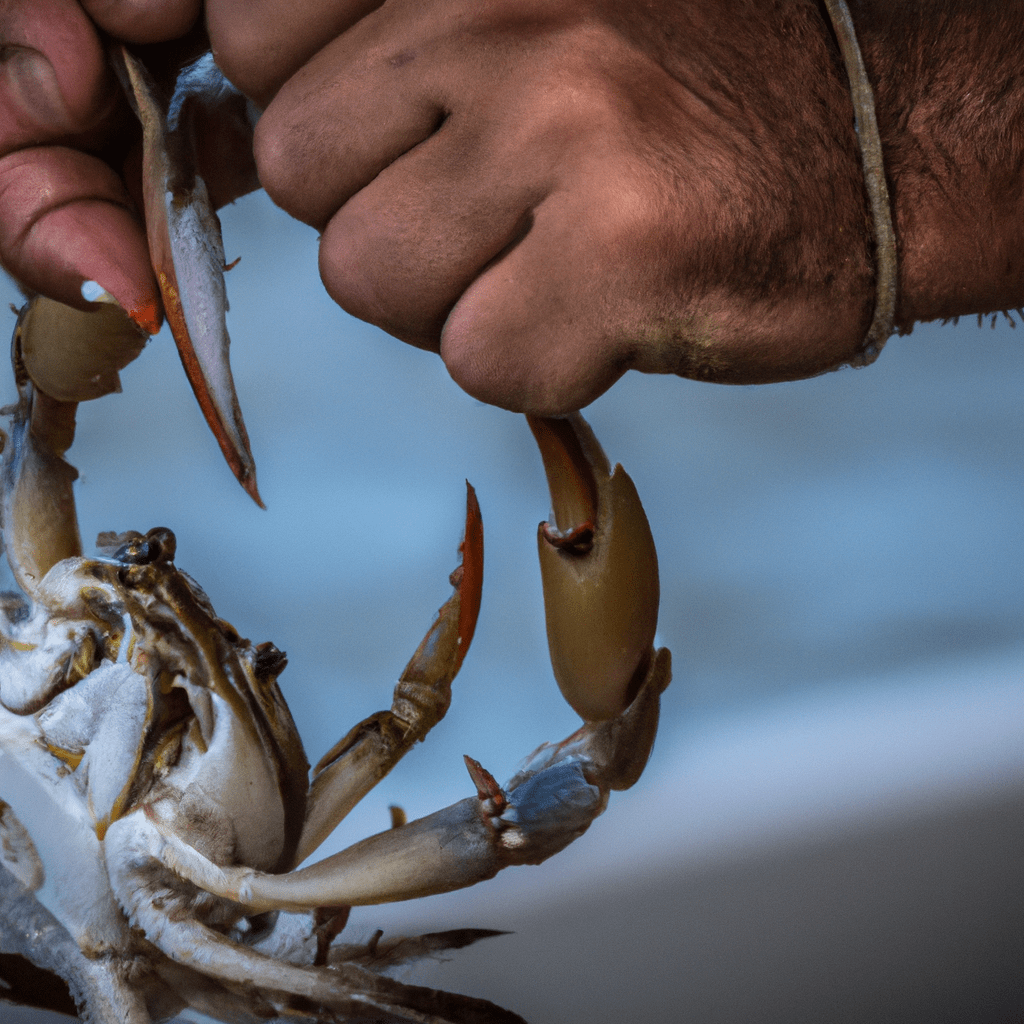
point(551, 192)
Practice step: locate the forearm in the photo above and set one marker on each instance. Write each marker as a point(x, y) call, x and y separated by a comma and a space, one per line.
point(949, 82)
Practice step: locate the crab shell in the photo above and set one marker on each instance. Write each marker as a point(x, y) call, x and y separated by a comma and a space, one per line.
point(140, 695)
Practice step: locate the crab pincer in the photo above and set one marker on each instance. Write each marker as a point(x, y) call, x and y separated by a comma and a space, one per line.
point(357, 762)
point(599, 569)
point(561, 787)
point(185, 242)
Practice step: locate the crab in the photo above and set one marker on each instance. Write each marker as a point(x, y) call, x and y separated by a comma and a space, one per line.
point(156, 797)
point(157, 792)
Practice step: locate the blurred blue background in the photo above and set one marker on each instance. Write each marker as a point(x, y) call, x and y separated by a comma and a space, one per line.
point(832, 812)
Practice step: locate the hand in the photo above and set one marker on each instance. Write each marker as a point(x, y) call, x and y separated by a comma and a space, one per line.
point(69, 165)
point(551, 192)
point(547, 193)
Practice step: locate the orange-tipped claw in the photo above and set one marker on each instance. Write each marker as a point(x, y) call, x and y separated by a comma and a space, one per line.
point(188, 260)
point(440, 654)
point(599, 569)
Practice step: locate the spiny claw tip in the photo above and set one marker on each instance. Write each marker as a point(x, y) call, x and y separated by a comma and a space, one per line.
point(441, 652)
point(248, 482)
point(487, 787)
point(469, 577)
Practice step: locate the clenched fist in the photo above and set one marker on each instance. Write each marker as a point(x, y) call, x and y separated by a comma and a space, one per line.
point(551, 193)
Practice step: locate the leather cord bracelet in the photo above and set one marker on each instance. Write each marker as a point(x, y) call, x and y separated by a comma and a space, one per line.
point(870, 144)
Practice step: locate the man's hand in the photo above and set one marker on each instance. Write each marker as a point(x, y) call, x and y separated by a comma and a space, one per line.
point(65, 215)
point(69, 154)
point(550, 192)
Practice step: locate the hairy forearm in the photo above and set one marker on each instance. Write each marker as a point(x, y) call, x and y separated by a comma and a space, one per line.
point(950, 97)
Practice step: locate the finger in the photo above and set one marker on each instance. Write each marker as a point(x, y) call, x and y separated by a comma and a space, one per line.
point(346, 115)
point(144, 21)
point(54, 80)
point(400, 252)
point(425, 210)
point(544, 329)
point(260, 44)
point(65, 218)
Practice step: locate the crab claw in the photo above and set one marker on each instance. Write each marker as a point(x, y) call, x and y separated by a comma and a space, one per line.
point(75, 356)
point(561, 788)
point(188, 256)
point(599, 569)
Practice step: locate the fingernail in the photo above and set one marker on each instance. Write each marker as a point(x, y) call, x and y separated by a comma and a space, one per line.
point(33, 85)
point(93, 291)
point(146, 316)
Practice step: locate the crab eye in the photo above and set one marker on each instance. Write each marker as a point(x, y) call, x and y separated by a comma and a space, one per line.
point(164, 543)
point(138, 551)
point(270, 662)
point(158, 545)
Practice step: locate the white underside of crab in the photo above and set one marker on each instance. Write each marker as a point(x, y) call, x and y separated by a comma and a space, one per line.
point(66, 860)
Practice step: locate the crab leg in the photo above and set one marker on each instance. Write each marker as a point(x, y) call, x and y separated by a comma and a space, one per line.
point(61, 356)
point(38, 507)
point(562, 787)
point(550, 802)
point(39, 523)
point(348, 771)
point(347, 990)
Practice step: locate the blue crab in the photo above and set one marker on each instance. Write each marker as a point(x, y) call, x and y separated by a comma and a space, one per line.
point(156, 796)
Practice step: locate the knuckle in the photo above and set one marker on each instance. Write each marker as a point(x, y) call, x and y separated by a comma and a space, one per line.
point(349, 268)
point(522, 364)
point(260, 44)
point(358, 271)
point(284, 158)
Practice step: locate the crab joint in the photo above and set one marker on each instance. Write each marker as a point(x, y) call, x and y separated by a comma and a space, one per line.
point(599, 569)
point(421, 698)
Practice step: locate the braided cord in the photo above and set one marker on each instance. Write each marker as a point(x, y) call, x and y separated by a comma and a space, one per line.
point(874, 181)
